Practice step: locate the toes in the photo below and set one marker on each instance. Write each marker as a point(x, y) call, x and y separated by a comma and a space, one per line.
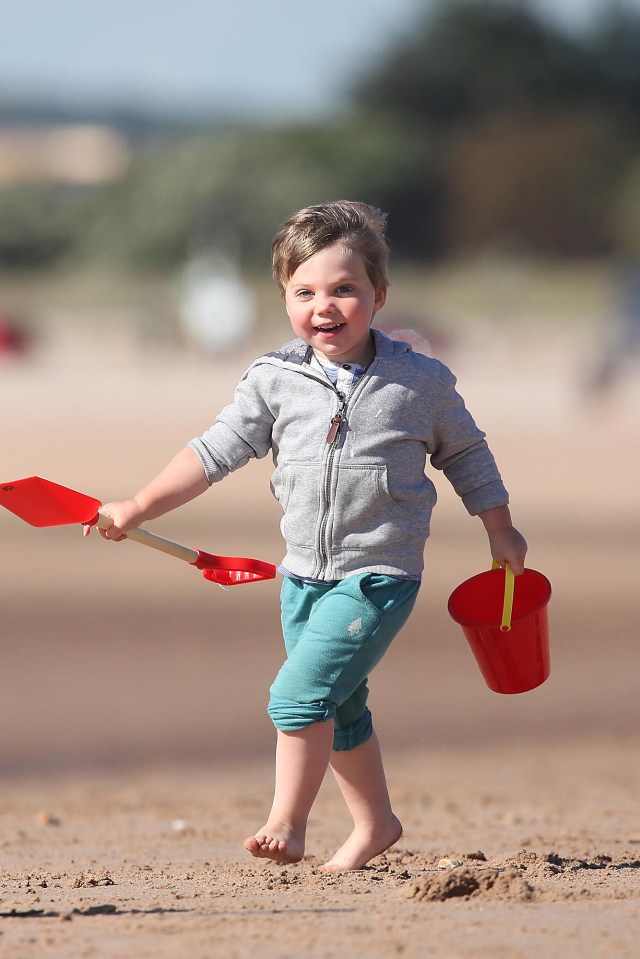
point(255, 844)
point(270, 847)
point(264, 846)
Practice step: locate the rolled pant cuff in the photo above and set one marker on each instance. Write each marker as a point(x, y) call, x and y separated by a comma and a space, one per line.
point(290, 717)
point(355, 734)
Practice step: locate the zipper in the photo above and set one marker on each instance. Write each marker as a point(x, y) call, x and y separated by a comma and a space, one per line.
point(332, 439)
point(333, 436)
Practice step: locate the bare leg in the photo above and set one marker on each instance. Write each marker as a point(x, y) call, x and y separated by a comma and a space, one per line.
point(302, 759)
point(360, 775)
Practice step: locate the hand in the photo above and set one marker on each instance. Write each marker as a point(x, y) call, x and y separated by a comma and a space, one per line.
point(508, 546)
point(123, 516)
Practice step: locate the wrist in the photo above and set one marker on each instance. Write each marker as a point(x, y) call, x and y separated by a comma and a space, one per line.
point(496, 520)
point(138, 510)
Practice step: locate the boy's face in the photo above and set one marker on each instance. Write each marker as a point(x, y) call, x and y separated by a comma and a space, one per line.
point(331, 302)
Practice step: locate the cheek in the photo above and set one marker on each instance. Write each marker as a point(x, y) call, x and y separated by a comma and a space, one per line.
point(297, 320)
point(291, 305)
point(298, 312)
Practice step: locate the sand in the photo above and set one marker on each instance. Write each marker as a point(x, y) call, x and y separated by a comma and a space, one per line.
point(136, 752)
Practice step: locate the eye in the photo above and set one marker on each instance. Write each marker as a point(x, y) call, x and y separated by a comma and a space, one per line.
point(303, 294)
point(344, 288)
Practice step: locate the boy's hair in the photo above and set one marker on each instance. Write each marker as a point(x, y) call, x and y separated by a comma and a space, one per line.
point(355, 225)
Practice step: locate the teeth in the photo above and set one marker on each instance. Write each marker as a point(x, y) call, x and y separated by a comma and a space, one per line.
point(329, 329)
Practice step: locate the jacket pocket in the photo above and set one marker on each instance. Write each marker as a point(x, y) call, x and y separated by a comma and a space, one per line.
point(362, 506)
point(300, 496)
point(368, 512)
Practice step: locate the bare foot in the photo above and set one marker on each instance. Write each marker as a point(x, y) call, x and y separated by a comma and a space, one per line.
point(362, 845)
point(278, 843)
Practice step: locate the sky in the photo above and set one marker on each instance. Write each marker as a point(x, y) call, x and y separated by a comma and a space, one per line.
point(268, 59)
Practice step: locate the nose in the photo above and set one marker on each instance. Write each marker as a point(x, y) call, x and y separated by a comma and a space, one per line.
point(324, 305)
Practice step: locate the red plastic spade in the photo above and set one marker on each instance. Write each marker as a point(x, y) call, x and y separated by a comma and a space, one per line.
point(43, 503)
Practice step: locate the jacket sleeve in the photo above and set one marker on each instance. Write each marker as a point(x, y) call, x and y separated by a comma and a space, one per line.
point(460, 450)
point(242, 431)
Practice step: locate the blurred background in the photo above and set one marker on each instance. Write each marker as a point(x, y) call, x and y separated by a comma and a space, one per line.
point(147, 156)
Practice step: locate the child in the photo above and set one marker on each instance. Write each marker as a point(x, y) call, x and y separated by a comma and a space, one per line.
point(349, 417)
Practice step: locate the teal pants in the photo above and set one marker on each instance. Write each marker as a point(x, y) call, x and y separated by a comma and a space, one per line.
point(335, 633)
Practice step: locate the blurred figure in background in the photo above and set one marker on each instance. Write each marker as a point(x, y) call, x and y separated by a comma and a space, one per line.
point(217, 308)
point(424, 336)
point(14, 340)
point(621, 349)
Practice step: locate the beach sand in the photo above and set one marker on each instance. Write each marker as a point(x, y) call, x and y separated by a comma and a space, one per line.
point(136, 751)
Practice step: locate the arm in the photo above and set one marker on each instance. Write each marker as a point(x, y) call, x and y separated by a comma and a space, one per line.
point(242, 431)
point(506, 543)
point(178, 483)
point(459, 448)
point(461, 451)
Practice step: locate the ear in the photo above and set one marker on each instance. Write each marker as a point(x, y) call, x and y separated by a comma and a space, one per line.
point(380, 300)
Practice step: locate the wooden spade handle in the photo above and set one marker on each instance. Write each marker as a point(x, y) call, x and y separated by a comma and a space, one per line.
point(146, 538)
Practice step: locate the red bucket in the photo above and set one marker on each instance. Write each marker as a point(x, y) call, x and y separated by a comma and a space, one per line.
point(504, 619)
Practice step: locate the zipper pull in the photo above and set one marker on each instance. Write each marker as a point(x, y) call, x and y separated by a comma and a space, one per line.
point(334, 429)
point(337, 420)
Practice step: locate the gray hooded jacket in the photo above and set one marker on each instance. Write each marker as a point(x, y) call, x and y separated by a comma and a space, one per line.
point(350, 471)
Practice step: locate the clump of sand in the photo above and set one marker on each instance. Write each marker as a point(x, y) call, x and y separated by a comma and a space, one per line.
point(466, 883)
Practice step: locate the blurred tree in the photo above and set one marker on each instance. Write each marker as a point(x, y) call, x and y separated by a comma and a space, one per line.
point(534, 125)
point(469, 58)
point(234, 188)
point(625, 213)
point(540, 183)
point(483, 125)
point(612, 43)
point(40, 224)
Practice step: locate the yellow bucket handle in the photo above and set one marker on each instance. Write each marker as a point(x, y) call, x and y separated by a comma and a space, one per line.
point(507, 607)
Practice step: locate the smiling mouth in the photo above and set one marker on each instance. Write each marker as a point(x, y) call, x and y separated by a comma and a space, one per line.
point(329, 328)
